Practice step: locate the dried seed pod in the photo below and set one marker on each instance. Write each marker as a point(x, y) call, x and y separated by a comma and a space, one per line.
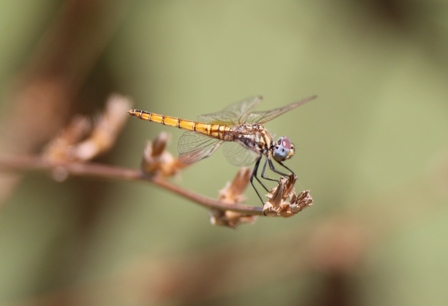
point(156, 160)
point(284, 202)
point(232, 193)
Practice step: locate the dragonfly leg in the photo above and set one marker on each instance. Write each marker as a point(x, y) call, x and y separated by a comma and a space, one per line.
point(271, 165)
point(254, 174)
point(292, 172)
point(263, 171)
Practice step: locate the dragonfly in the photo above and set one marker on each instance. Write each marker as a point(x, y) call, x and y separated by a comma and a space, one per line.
point(239, 130)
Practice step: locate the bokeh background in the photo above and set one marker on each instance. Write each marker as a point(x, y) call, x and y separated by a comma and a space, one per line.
point(372, 148)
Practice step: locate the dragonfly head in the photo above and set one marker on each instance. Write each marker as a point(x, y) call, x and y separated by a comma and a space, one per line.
point(283, 149)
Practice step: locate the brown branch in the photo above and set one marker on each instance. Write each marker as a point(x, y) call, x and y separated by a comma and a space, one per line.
point(29, 163)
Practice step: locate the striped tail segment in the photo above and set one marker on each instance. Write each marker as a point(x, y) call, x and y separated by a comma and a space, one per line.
point(213, 130)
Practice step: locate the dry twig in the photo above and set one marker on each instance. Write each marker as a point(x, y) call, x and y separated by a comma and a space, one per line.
point(29, 163)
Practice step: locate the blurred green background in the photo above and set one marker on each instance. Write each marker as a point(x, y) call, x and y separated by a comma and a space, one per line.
point(372, 148)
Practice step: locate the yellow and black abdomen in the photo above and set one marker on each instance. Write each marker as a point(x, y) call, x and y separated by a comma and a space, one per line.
point(212, 130)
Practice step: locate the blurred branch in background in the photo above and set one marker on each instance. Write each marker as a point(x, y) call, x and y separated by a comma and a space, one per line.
point(48, 85)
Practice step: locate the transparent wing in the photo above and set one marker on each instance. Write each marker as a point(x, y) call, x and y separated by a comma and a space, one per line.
point(263, 117)
point(193, 147)
point(239, 155)
point(233, 114)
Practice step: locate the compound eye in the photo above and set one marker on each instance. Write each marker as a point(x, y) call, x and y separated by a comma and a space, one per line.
point(282, 149)
point(292, 151)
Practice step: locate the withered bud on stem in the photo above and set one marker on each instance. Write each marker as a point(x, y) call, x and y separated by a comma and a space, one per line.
point(284, 202)
point(156, 160)
point(83, 139)
point(232, 193)
point(105, 130)
point(61, 147)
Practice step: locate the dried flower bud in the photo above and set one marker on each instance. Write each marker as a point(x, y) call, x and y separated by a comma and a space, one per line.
point(283, 201)
point(106, 129)
point(232, 193)
point(61, 147)
point(156, 160)
point(229, 218)
point(82, 140)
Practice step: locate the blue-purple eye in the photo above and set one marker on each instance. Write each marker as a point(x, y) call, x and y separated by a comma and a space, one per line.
point(283, 149)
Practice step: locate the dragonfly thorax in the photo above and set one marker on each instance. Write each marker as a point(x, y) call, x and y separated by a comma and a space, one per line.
point(252, 136)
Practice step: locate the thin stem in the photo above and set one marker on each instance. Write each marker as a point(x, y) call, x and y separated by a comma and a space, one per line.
point(29, 163)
